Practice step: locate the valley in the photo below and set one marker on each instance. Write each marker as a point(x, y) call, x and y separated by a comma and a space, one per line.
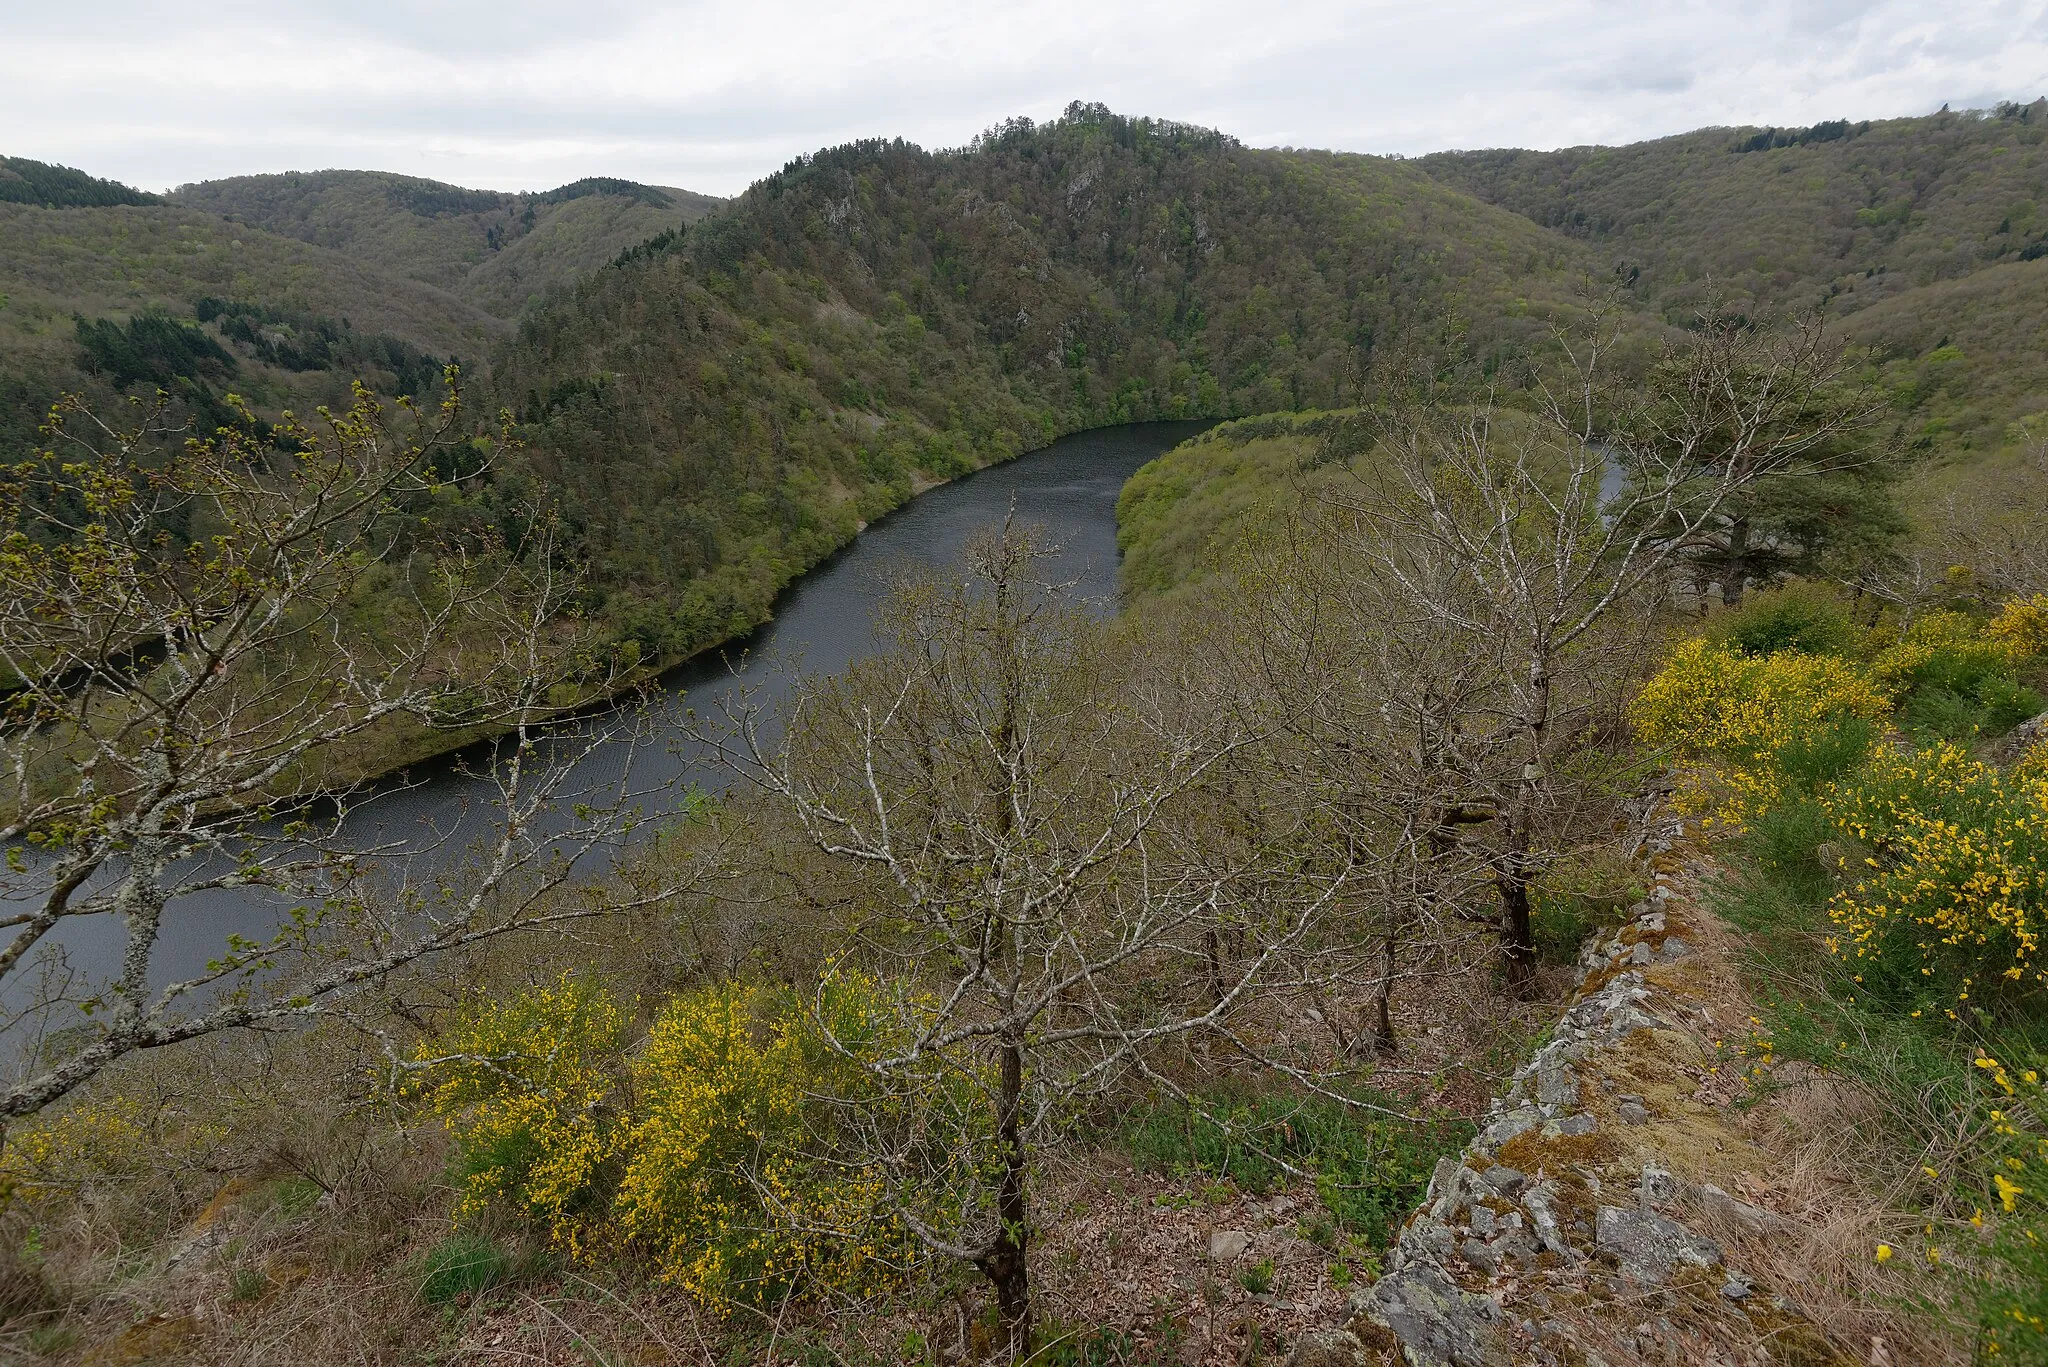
point(1102, 747)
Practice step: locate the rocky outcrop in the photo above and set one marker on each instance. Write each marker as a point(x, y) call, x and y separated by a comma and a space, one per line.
point(1563, 1234)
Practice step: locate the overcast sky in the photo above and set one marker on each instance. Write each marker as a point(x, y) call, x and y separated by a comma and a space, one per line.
point(527, 94)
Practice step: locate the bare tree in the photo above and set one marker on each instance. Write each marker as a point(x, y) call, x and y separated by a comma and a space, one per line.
point(1367, 697)
point(1540, 546)
point(205, 641)
point(1039, 891)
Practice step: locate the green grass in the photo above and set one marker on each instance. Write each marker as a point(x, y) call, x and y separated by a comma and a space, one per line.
point(1258, 1278)
point(1905, 1036)
point(461, 1265)
point(1369, 1169)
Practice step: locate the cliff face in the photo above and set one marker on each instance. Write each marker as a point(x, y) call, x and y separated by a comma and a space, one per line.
point(1642, 1192)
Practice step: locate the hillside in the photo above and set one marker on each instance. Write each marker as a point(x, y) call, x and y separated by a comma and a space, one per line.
point(304, 283)
point(499, 251)
point(718, 415)
point(67, 272)
point(1877, 222)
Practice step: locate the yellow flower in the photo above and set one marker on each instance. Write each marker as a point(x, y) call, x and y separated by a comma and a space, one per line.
point(1884, 1253)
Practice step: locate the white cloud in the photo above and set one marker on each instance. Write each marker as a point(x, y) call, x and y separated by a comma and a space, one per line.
point(521, 94)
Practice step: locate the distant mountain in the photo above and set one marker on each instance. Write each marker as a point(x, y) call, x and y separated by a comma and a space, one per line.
point(1923, 236)
point(498, 250)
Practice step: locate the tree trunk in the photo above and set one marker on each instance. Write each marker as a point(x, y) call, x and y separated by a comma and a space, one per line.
point(1735, 575)
point(1518, 927)
point(1383, 1042)
point(1005, 1265)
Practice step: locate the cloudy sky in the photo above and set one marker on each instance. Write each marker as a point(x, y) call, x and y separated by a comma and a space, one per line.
point(527, 94)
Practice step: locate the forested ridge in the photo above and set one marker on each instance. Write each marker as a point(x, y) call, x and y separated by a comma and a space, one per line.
point(1927, 238)
point(717, 414)
point(714, 403)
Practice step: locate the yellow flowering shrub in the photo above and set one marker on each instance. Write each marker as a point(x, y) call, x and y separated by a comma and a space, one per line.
point(1738, 714)
point(2021, 627)
point(1950, 639)
point(2009, 1104)
point(63, 1150)
point(707, 1148)
point(528, 1088)
point(1957, 877)
point(730, 1180)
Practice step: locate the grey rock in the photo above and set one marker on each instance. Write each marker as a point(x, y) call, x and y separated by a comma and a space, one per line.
point(1227, 1244)
point(1438, 1323)
point(1504, 1179)
point(1515, 1246)
point(1657, 1187)
point(1753, 1219)
point(1543, 1215)
point(1640, 954)
point(1673, 948)
point(1439, 1241)
point(1737, 1287)
point(1520, 1120)
point(1582, 1123)
point(1648, 1246)
point(1557, 1086)
point(1481, 1255)
point(1632, 1111)
point(1482, 1220)
point(1328, 1348)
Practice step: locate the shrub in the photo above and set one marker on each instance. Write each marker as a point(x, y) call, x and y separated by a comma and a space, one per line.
point(1579, 897)
point(528, 1088)
point(1957, 881)
point(1808, 618)
point(1369, 1169)
point(2021, 627)
point(1749, 717)
point(729, 1179)
point(1956, 678)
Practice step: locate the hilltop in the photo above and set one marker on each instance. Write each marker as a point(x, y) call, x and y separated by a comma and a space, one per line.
point(497, 250)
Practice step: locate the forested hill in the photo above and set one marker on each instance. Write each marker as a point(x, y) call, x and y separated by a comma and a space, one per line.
point(1927, 237)
point(283, 289)
point(497, 250)
point(718, 413)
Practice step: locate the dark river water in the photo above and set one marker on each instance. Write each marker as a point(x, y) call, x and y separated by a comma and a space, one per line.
point(822, 624)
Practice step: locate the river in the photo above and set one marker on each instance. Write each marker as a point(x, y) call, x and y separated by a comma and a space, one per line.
point(822, 624)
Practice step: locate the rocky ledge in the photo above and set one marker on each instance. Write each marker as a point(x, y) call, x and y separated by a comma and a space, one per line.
point(1579, 1226)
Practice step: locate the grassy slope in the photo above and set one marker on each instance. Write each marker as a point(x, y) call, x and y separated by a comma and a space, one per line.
point(122, 260)
point(1181, 517)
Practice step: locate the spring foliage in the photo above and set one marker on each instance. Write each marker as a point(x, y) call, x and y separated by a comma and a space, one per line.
point(1936, 889)
point(528, 1087)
